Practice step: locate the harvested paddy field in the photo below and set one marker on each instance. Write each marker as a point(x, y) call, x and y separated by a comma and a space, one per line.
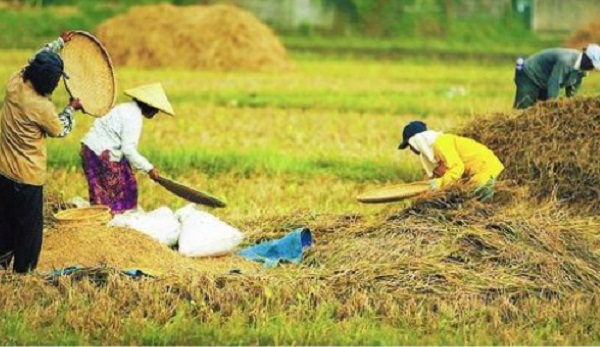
point(293, 149)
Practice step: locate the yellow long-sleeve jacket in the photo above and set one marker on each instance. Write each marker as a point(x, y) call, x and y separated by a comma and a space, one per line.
point(464, 157)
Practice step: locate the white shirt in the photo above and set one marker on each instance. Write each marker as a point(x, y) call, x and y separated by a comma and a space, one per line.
point(119, 132)
point(423, 142)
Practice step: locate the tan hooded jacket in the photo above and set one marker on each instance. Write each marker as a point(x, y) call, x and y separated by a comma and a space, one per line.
point(27, 118)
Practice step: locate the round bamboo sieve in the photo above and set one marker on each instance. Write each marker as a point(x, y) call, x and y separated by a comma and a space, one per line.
point(84, 216)
point(393, 193)
point(90, 72)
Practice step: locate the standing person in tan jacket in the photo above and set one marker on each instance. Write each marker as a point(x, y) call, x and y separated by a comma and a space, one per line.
point(28, 117)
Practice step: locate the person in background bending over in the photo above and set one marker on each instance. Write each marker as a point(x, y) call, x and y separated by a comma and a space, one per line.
point(541, 76)
point(449, 158)
point(109, 149)
point(28, 117)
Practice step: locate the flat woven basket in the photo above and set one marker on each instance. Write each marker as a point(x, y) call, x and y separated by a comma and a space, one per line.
point(393, 193)
point(83, 216)
point(190, 194)
point(91, 74)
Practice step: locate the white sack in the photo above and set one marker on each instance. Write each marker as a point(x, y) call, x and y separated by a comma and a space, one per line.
point(205, 235)
point(159, 224)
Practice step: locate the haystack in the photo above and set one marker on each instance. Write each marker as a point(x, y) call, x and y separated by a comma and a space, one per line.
point(220, 37)
point(585, 35)
point(124, 248)
point(446, 245)
point(552, 147)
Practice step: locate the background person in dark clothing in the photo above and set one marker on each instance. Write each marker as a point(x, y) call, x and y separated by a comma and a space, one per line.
point(28, 117)
point(541, 76)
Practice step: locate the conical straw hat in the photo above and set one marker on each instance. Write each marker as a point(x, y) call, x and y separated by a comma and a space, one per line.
point(153, 95)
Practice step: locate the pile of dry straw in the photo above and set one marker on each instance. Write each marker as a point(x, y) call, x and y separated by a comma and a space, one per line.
point(199, 37)
point(92, 244)
point(97, 246)
point(551, 147)
point(446, 245)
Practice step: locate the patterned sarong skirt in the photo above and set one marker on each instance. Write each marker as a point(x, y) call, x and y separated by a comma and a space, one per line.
point(109, 183)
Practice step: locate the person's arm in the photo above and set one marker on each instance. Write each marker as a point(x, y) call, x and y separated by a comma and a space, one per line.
point(571, 90)
point(57, 45)
point(54, 46)
point(61, 125)
point(445, 150)
point(556, 79)
point(427, 166)
point(131, 130)
point(67, 120)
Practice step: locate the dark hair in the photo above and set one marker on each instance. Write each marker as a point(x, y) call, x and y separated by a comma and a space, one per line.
point(44, 72)
point(147, 110)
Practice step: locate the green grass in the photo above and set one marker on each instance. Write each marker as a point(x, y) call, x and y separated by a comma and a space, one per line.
point(455, 48)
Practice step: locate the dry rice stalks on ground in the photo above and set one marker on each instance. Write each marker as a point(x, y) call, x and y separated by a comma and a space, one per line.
point(551, 147)
point(443, 245)
point(445, 256)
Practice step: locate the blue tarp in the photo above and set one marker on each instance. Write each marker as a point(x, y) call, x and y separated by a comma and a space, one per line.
point(288, 248)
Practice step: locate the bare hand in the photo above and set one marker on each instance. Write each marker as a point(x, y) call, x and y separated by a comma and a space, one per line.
point(76, 104)
point(440, 170)
point(67, 35)
point(154, 174)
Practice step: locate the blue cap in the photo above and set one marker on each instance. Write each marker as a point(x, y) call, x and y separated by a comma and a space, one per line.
point(410, 130)
point(44, 72)
point(50, 60)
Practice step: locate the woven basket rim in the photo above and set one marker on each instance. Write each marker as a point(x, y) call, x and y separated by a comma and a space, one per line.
point(82, 213)
point(393, 193)
point(109, 63)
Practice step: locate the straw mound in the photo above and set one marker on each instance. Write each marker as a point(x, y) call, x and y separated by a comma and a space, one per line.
point(453, 245)
point(123, 248)
point(444, 258)
point(446, 245)
point(199, 37)
point(449, 245)
point(484, 248)
point(585, 35)
point(552, 147)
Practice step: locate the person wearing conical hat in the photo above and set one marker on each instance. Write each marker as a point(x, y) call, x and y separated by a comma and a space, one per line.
point(109, 149)
point(28, 118)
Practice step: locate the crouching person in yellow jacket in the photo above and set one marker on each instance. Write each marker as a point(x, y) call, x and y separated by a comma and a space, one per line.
point(448, 159)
